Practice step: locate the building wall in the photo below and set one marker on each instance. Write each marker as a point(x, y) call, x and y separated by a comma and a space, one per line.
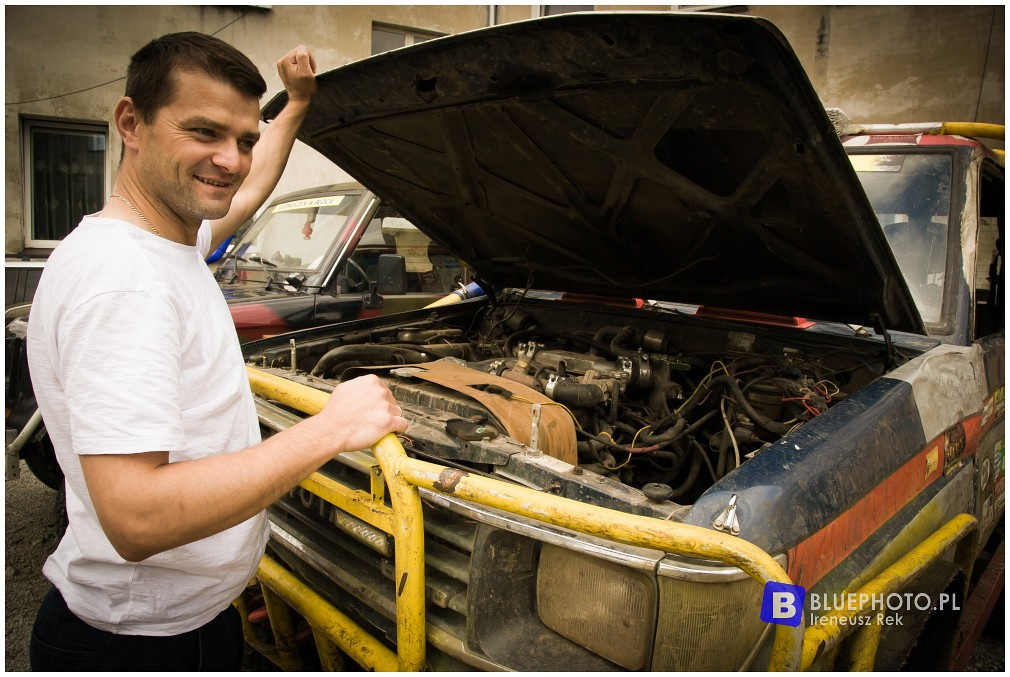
point(879, 64)
point(901, 63)
point(80, 74)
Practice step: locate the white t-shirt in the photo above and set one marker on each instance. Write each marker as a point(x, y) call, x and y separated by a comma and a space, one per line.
point(132, 349)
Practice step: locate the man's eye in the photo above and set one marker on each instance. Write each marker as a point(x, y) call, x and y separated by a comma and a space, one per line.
point(205, 132)
point(246, 145)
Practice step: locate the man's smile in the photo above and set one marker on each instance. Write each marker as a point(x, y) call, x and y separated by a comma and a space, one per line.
point(213, 182)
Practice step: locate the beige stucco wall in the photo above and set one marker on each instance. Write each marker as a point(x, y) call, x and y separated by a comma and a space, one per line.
point(901, 63)
point(878, 63)
point(51, 51)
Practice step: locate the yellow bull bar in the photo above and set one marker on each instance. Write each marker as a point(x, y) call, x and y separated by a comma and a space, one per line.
point(792, 648)
point(819, 639)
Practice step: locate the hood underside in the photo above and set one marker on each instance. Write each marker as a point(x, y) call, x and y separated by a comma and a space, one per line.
point(677, 157)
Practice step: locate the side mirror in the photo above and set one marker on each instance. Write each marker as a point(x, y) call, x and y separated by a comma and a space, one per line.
point(391, 274)
point(371, 300)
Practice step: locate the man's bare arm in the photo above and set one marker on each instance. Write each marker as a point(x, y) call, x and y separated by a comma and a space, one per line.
point(147, 505)
point(297, 70)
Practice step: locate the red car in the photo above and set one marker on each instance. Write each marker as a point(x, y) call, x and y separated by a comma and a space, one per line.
point(313, 257)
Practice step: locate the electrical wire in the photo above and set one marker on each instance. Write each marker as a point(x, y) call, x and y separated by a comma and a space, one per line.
point(711, 373)
point(484, 338)
point(556, 404)
point(630, 453)
point(824, 391)
point(805, 401)
point(103, 84)
point(729, 431)
point(985, 64)
point(711, 468)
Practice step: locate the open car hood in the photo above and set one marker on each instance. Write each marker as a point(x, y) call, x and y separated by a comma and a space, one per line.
point(676, 157)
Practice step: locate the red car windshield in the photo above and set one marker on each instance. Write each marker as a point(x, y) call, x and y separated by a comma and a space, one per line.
point(295, 235)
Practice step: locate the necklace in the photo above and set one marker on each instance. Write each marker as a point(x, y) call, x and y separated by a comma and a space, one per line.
point(138, 213)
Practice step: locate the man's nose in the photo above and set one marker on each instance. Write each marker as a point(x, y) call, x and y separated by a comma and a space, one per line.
point(228, 156)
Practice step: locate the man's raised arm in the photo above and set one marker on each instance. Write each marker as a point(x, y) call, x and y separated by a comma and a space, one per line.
point(297, 70)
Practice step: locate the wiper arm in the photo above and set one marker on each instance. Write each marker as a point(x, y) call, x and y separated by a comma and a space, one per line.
point(255, 258)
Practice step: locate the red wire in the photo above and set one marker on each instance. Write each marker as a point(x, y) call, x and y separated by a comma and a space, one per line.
point(803, 401)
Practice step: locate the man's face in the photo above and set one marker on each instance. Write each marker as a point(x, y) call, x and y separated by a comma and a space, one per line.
point(197, 150)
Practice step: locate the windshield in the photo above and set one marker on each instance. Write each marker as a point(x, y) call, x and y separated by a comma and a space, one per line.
point(295, 235)
point(910, 194)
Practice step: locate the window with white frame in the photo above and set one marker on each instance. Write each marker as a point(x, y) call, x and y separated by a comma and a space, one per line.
point(551, 10)
point(64, 176)
point(385, 38)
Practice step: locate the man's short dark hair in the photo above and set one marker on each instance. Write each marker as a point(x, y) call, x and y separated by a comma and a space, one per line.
point(149, 77)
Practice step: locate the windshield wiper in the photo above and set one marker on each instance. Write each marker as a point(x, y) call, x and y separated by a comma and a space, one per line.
point(255, 258)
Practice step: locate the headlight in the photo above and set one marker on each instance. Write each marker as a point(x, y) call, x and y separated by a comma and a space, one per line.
point(605, 607)
point(709, 617)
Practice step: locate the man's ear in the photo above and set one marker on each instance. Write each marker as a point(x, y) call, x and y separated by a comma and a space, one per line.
point(128, 122)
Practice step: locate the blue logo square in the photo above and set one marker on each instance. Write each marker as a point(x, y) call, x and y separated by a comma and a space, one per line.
point(782, 604)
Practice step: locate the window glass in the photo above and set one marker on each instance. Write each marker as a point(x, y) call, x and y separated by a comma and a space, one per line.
point(910, 194)
point(294, 236)
point(385, 38)
point(550, 10)
point(65, 177)
point(430, 268)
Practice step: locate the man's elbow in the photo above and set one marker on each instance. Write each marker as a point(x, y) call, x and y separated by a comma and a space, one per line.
point(134, 543)
point(132, 553)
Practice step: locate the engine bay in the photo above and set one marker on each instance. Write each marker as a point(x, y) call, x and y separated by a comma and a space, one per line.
point(661, 400)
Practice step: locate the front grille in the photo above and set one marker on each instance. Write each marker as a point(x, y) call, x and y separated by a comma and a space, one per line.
point(351, 563)
point(481, 563)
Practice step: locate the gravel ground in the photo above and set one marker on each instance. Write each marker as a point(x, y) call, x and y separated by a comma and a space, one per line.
point(33, 517)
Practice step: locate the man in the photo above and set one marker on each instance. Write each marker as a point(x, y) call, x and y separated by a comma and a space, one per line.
point(141, 383)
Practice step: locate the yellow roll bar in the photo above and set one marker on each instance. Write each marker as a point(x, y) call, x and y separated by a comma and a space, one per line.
point(334, 625)
point(792, 648)
point(684, 539)
point(976, 130)
point(403, 476)
point(818, 639)
point(403, 522)
point(981, 130)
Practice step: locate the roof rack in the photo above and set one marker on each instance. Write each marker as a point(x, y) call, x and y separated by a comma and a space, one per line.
point(979, 130)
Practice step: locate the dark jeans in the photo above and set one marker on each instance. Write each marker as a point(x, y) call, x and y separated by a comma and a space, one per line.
point(63, 642)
